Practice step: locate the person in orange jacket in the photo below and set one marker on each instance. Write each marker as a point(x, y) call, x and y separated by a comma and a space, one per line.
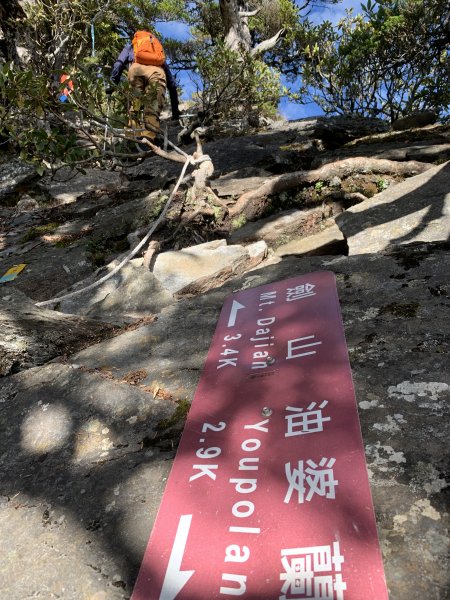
point(149, 84)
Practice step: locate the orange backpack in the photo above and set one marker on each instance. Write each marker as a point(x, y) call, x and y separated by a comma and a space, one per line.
point(148, 49)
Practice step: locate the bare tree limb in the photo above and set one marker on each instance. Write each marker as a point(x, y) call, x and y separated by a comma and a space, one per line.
point(249, 13)
point(266, 44)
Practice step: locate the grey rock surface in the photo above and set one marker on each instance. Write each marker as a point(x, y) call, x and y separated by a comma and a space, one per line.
point(81, 447)
point(341, 129)
point(238, 182)
point(13, 173)
point(132, 293)
point(280, 228)
point(49, 270)
point(69, 185)
point(199, 268)
point(420, 152)
point(78, 464)
point(415, 119)
point(416, 210)
point(33, 336)
point(427, 145)
point(119, 220)
point(328, 241)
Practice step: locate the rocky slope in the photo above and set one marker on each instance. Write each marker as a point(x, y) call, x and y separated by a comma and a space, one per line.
point(95, 392)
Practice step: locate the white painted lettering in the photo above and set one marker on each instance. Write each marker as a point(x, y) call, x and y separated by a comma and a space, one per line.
point(293, 347)
point(259, 426)
point(250, 445)
point(244, 530)
point(247, 506)
point(235, 553)
point(268, 296)
point(245, 466)
point(204, 470)
point(266, 321)
point(260, 354)
point(259, 365)
point(239, 579)
point(227, 362)
point(241, 483)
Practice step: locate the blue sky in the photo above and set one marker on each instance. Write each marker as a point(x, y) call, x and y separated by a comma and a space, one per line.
point(289, 110)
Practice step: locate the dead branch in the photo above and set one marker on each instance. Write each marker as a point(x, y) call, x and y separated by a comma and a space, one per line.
point(250, 203)
point(266, 44)
point(249, 13)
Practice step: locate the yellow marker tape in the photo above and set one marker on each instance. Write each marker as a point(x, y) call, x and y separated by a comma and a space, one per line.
point(12, 273)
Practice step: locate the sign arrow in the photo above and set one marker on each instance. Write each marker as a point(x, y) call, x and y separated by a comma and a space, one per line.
point(175, 579)
point(233, 312)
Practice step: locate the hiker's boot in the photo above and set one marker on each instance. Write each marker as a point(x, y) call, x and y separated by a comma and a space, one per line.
point(133, 130)
point(152, 128)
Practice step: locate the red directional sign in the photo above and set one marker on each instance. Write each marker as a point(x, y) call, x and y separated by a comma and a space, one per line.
point(268, 497)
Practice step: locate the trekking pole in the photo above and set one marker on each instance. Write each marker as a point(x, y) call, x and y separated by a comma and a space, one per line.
point(108, 106)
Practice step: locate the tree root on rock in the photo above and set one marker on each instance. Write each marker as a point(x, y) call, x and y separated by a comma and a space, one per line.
point(251, 204)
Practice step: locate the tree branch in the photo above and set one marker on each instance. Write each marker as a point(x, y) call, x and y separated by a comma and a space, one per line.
point(249, 13)
point(266, 44)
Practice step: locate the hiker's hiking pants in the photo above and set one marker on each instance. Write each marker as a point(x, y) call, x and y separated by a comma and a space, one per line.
point(149, 86)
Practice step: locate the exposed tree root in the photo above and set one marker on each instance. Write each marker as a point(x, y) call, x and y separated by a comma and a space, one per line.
point(350, 197)
point(252, 203)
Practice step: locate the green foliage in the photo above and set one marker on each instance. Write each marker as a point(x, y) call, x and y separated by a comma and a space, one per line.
point(236, 85)
point(58, 39)
point(382, 184)
point(318, 186)
point(29, 118)
point(387, 62)
point(38, 231)
point(59, 33)
point(239, 222)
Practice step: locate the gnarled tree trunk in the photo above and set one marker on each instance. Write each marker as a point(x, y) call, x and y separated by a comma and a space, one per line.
point(235, 15)
point(237, 32)
point(10, 10)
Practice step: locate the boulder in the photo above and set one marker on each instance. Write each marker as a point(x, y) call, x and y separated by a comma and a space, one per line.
point(415, 119)
point(416, 210)
point(200, 268)
point(337, 131)
point(68, 185)
point(14, 173)
point(280, 228)
point(328, 241)
point(26, 204)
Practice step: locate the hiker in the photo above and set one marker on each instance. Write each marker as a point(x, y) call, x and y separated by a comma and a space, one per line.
point(68, 89)
point(149, 76)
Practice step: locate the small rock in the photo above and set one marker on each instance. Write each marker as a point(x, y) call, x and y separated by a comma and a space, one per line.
point(26, 204)
point(336, 181)
point(23, 219)
point(415, 119)
point(4, 501)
